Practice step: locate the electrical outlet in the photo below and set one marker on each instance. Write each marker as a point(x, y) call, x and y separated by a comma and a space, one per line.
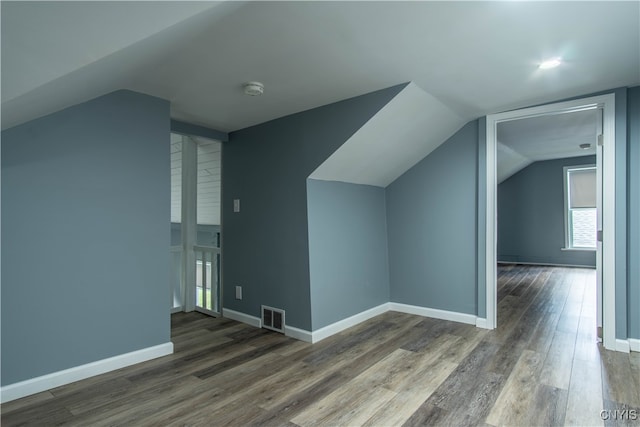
point(236, 205)
point(238, 292)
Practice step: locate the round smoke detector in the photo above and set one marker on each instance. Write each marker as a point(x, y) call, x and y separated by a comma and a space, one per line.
point(253, 88)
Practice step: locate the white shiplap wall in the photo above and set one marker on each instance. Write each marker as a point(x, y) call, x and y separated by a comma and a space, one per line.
point(209, 173)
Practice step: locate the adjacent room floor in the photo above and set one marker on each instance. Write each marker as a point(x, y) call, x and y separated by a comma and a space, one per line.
point(541, 366)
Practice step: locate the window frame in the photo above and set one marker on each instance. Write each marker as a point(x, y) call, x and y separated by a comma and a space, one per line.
point(568, 244)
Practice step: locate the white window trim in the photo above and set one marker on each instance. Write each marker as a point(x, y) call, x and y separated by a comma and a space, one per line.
point(567, 220)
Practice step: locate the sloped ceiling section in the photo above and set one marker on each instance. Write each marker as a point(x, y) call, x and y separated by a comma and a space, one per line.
point(477, 57)
point(407, 129)
point(66, 61)
point(34, 31)
point(555, 136)
point(509, 161)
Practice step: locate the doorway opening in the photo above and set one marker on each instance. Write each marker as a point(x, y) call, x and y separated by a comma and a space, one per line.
point(605, 158)
point(195, 224)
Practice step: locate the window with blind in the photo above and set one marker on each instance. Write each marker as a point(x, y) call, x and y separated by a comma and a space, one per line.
point(581, 214)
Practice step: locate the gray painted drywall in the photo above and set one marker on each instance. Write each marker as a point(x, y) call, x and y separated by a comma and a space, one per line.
point(85, 218)
point(348, 262)
point(265, 247)
point(431, 224)
point(634, 211)
point(531, 215)
point(189, 129)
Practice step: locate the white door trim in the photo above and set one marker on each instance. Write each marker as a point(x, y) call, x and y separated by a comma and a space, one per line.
point(607, 103)
point(189, 220)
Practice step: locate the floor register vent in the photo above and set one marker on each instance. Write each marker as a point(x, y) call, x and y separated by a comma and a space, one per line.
point(273, 319)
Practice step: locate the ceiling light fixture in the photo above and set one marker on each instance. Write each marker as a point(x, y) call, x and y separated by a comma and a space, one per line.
point(585, 146)
point(550, 63)
point(253, 88)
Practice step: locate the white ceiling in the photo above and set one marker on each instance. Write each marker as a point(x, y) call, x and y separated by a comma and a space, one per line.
point(44, 40)
point(474, 57)
point(524, 141)
point(464, 59)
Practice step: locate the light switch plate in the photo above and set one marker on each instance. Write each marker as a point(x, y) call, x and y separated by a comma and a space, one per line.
point(236, 205)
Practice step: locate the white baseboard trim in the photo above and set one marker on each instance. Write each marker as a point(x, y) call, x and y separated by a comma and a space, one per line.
point(56, 379)
point(634, 344)
point(242, 317)
point(481, 322)
point(343, 324)
point(547, 264)
point(175, 310)
point(433, 312)
point(299, 334)
point(622, 345)
point(290, 331)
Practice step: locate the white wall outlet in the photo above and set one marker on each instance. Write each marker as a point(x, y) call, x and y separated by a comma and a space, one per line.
point(236, 205)
point(238, 292)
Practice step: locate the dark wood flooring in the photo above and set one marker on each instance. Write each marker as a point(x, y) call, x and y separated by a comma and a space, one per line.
point(541, 366)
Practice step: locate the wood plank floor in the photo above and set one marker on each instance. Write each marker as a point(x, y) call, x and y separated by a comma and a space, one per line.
point(541, 366)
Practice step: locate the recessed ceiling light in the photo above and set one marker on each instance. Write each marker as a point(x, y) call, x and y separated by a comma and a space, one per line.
point(585, 146)
point(550, 63)
point(253, 88)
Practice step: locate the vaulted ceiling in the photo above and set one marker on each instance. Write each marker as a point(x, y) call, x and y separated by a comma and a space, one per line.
point(473, 57)
point(463, 60)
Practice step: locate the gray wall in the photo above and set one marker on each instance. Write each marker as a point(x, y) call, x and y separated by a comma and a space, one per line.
point(348, 262)
point(189, 129)
point(85, 217)
point(266, 166)
point(431, 223)
point(634, 211)
point(531, 215)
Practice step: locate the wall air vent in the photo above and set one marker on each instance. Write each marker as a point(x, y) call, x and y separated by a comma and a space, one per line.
point(273, 319)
